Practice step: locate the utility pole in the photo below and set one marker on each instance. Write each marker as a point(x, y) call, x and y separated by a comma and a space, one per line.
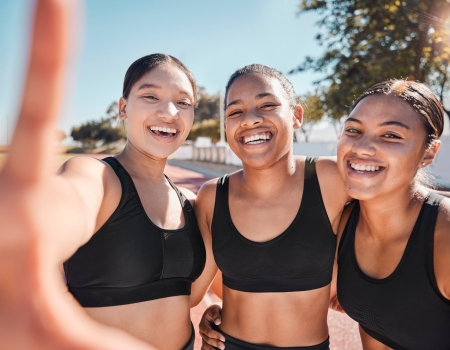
point(222, 119)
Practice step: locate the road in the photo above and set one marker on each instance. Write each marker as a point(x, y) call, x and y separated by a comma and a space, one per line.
point(343, 330)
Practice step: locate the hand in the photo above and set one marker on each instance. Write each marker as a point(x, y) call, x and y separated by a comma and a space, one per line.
point(211, 339)
point(35, 311)
point(334, 304)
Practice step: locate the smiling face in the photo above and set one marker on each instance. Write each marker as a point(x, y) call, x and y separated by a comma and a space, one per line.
point(259, 120)
point(159, 111)
point(382, 146)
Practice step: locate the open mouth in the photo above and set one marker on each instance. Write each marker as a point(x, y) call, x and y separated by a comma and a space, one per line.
point(164, 131)
point(362, 169)
point(256, 138)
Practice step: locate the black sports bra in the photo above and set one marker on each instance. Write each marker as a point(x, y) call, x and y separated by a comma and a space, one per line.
point(405, 310)
point(301, 258)
point(130, 259)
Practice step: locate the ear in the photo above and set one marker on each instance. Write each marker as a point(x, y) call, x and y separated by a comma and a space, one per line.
point(298, 116)
point(430, 154)
point(225, 125)
point(122, 109)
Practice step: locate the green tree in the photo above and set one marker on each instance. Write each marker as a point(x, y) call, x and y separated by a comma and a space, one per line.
point(207, 127)
point(93, 132)
point(368, 41)
point(313, 112)
point(208, 105)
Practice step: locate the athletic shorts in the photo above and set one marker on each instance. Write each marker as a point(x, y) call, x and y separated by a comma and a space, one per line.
point(190, 344)
point(236, 344)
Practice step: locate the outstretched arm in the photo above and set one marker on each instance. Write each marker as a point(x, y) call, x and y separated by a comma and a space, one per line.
point(42, 216)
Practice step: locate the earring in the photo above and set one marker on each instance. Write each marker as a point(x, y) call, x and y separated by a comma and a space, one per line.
point(423, 163)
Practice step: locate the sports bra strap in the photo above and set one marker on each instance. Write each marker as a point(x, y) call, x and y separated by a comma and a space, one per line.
point(311, 187)
point(183, 200)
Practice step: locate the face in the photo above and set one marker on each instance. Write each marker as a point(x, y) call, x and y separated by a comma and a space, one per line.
point(159, 111)
point(259, 120)
point(381, 147)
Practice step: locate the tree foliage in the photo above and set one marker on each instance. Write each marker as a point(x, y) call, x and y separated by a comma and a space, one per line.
point(94, 132)
point(313, 113)
point(368, 41)
point(208, 105)
point(208, 128)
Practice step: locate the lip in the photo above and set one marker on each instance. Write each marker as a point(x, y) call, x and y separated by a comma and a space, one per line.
point(361, 174)
point(166, 137)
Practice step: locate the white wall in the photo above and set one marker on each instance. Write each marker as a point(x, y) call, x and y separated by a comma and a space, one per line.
point(440, 169)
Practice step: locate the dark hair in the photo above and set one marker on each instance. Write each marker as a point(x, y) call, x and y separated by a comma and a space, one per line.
point(145, 64)
point(419, 97)
point(267, 72)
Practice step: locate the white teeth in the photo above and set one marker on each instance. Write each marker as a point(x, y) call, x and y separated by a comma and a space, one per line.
point(360, 167)
point(257, 138)
point(162, 129)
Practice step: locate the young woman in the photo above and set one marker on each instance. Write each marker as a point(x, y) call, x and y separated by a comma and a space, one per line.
point(271, 225)
point(394, 250)
point(144, 249)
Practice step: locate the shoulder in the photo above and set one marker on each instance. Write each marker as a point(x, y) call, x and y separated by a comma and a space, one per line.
point(327, 166)
point(208, 190)
point(206, 197)
point(82, 171)
point(83, 165)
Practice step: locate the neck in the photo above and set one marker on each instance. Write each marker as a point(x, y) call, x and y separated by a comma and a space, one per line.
point(142, 165)
point(391, 214)
point(272, 179)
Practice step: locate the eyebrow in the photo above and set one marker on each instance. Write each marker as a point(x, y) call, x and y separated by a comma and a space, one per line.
point(264, 94)
point(257, 97)
point(391, 122)
point(154, 86)
point(235, 102)
point(396, 123)
point(147, 86)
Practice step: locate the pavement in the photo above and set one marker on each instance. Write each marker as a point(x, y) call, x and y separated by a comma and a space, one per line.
point(344, 333)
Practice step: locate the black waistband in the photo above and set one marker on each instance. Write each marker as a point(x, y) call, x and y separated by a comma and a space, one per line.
point(279, 284)
point(232, 343)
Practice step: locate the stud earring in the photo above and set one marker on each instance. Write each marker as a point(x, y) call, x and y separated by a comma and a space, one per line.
point(423, 163)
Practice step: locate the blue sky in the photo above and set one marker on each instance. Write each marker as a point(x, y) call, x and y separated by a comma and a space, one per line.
point(213, 38)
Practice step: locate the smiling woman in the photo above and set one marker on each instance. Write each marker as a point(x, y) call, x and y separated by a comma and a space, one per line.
point(136, 266)
point(394, 252)
point(271, 225)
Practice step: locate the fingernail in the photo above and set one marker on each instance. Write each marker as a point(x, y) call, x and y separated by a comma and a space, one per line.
point(217, 321)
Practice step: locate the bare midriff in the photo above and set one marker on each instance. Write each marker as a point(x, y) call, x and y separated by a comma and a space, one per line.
point(164, 323)
point(276, 319)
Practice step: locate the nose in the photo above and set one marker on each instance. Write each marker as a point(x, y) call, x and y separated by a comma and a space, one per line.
point(168, 111)
point(364, 145)
point(251, 118)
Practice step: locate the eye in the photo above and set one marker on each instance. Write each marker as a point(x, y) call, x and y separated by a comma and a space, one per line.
point(269, 105)
point(185, 103)
point(150, 97)
point(391, 136)
point(351, 130)
point(234, 114)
